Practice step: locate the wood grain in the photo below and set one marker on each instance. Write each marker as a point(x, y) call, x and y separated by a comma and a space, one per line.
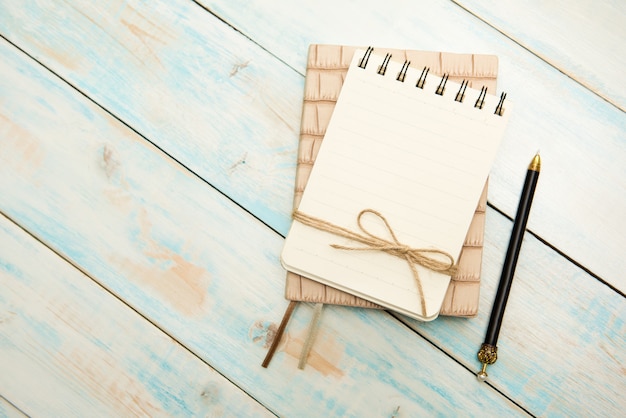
point(8, 410)
point(582, 138)
point(69, 348)
point(155, 235)
point(181, 78)
point(579, 38)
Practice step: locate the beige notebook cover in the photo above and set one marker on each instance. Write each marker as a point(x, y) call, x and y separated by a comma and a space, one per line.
point(326, 69)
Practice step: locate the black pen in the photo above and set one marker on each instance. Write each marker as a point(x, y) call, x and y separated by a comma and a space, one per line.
point(488, 353)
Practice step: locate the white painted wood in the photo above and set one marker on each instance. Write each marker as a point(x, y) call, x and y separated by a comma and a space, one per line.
point(583, 38)
point(180, 77)
point(69, 348)
point(581, 195)
point(198, 266)
point(8, 410)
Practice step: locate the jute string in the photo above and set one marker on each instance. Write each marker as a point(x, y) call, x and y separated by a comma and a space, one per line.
point(414, 256)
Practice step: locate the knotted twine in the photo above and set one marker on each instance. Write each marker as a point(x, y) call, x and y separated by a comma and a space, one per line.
point(414, 256)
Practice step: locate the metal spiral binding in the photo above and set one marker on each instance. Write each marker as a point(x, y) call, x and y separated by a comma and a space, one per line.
point(383, 67)
point(460, 95)
point(402, 73)
point(481, 98)
point(366, 57)
point(500, 107)
point(442, 85)
point(422, 79)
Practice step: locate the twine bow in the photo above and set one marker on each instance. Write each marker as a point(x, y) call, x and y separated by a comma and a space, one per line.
point(413, 256)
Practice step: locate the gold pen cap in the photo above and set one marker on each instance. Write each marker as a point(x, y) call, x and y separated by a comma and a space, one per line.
point(535, 164)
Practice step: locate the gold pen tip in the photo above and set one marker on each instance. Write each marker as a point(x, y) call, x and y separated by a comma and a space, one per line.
point(535, 164)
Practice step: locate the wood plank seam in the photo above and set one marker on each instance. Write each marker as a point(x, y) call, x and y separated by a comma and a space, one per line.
point(185, 347)
point(239, 31)
point(402, 320)
point(562, 254)
point(2, 398)
point(542, 58)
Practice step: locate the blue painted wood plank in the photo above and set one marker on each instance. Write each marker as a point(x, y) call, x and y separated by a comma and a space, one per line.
point(182, 79)
point(198, 266)
point(69, 348)
point(559, 322)
point(579, 38)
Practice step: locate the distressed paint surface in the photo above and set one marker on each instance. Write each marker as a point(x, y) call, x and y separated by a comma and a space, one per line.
point(182, 79)
point(7, 410)
point(223, 110)
point(66, 342)
point(580, 39)
point(558, 322)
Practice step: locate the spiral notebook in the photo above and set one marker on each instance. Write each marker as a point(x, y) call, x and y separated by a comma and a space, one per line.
point(424, 153)
point(326, 68)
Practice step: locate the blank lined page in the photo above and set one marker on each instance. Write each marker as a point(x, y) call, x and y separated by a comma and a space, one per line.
point(419, 158)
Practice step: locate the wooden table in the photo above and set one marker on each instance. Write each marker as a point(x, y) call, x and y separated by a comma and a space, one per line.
point(147, 160)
